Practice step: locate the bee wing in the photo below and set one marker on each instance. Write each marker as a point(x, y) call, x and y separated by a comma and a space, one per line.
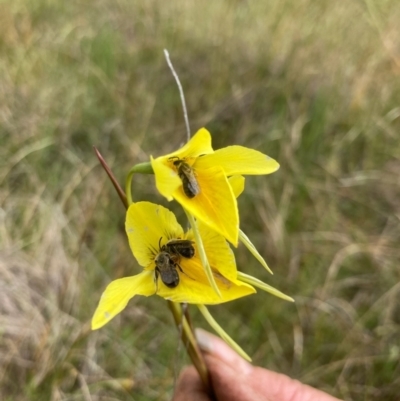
point(178, 241)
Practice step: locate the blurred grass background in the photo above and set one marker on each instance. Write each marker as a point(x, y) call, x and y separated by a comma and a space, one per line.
point(314, 85)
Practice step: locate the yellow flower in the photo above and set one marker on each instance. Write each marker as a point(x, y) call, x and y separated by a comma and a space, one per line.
point(150, 229)
point(196, 176)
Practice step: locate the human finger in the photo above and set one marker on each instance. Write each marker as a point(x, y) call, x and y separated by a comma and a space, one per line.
point(190, 387)
point(235, 379)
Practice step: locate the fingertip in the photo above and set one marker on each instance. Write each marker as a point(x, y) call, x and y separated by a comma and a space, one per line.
point(218, 348)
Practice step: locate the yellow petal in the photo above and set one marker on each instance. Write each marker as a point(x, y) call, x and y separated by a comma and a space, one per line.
point(199, 144)
point(215, 205)
point(238, 160)
point(237, 184)
point(146, 223)
point(117, 295)
point(201, 252)
point(167, 179)
point(219, 253)
point(194, 287)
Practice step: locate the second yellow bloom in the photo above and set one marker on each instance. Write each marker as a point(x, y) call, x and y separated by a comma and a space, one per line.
point(197, 177)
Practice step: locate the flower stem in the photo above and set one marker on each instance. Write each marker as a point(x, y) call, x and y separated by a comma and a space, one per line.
point(189, 340)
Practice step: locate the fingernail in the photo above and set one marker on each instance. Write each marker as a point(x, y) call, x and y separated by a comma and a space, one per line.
point(217, 347)
point(205, 340)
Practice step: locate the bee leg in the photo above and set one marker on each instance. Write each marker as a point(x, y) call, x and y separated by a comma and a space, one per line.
point(180, 268)
point(156, 273)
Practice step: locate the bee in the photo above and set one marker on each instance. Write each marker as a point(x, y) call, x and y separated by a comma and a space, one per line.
point(186, 174)
point(167, 260)
point(182, 247)
point(166, 268)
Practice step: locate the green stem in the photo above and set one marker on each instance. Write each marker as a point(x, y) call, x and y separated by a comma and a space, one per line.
point(190, 342)
point(141, 168)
